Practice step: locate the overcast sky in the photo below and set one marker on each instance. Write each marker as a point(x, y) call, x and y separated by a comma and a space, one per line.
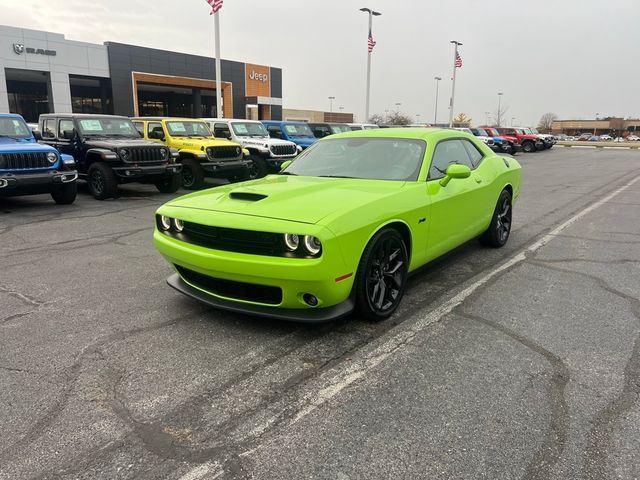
point(572, 57)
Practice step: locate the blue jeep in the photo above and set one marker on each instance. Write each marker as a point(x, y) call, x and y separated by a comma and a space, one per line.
point(296, 132)
point(30, 168)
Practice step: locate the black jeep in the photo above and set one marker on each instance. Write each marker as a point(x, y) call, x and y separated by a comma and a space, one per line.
point(109, 151)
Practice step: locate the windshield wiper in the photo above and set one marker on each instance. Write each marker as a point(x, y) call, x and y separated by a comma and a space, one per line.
point(334, 176)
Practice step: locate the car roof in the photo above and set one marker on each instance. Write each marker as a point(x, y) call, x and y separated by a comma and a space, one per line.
point(329, 123)
point(408, 133)
point(10, 115)
point(295, 122)
point(159, 119)
point(82, 115)
point(230, 120)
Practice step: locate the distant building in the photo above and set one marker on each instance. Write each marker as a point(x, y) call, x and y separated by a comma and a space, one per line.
point(315, 116)
point(610, 126)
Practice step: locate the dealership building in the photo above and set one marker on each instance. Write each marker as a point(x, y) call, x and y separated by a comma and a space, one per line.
point(43, 72)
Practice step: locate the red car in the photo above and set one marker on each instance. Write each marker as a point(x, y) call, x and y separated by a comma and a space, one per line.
point(513, 141)
point(529, 142)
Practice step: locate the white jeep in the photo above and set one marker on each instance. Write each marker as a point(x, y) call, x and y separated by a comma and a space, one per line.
point(267, 153)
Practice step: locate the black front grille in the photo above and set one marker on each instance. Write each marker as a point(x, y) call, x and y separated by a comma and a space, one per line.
point(232, 240)
point(231, 289)
point(145, 154)
point(283, 150)
point(24, 161)
point(224, 153)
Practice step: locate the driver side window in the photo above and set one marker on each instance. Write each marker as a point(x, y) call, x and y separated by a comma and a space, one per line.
point(448, 152)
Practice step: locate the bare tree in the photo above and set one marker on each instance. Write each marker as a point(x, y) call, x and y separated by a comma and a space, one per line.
point(500, 115)
point(377, 119)
point(398, 118)
point(546, 122)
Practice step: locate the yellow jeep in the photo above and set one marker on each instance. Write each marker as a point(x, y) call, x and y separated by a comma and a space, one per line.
point(200, 153)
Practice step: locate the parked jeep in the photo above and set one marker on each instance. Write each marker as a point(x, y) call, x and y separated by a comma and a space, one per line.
point(109, 151)
point(529, 142)
point(200, 154)
point(29, 168)
point(488, 141)
point(267, 154)
point(548, 139)
point(321, 130)
point(514, 145)
point(296, 132)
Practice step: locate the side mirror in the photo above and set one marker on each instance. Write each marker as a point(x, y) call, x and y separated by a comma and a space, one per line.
point(156, 135)
point(68, 134)
point(285, 164)
point(37, 135)
point(455, 171)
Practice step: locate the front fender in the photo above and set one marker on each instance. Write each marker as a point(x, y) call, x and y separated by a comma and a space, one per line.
point(104, 154)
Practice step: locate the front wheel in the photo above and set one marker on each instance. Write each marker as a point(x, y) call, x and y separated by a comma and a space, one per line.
point(169, 184)
point(382, 275)
point(528, 146)
point(192, 174)
point(257, 168)
point(102, 181)
point(498, 232)
point(65, 194)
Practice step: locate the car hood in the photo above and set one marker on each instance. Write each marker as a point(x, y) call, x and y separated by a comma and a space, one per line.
point(297, 199)
point(201, 143)
point(10, 145)
point(114, 143)
point(262, 141)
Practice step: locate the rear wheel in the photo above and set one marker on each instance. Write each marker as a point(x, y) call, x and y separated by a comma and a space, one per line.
point(65, 194)
point(382, 275)
point(169, 184)
point(192, 174)
point(498, 232)
point(257, 168)
point(102, 181)
point(528, 146)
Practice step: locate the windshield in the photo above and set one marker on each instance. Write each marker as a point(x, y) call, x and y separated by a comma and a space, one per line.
point(295, 130)
point(521, 131)
point(493, 132)
point(249, 129)
point(481, 132)
point(14, 127)
point(534, 131)
point(366, 158)
point(188, 129)
point(121, 127)
point(340, 128)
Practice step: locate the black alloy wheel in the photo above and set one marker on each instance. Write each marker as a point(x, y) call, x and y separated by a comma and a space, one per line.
point(192, 174)
point(257, 167)
point(500, 228)
point(528, 146)
point(102, 181)
point(382, 275)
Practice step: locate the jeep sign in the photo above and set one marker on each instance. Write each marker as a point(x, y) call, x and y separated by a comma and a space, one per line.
point(261, 77)
point(19, 49)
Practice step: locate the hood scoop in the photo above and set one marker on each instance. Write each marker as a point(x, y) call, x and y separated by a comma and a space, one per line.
point(247, 196)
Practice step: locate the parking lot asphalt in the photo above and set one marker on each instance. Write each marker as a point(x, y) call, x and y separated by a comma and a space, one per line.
point(522, 362)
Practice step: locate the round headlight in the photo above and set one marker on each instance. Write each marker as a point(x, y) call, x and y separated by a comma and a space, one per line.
point(312, 244)
point(165, 223)
point(164, 153)
point(292, 241)
point(124, 153)
point(178, 225)
point(52, 157)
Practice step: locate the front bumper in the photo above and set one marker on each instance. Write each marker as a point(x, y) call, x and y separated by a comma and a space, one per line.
point(41, 182)
point(134, 172)
point(294, 277)
point(317, 315)
point(226, 167)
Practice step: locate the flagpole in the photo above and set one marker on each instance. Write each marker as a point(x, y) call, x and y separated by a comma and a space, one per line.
point(219, 112)
point(369, 51)
point(453, 85)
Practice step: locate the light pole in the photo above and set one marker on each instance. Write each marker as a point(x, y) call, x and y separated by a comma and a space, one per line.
point(512, 120)
point(417, 118)
point(595, 127)
point(370, 44)
point(486, 115)
point(398, 104)
point(499, 116)
point(435, 116)
point(453, 84)
point(331, 99)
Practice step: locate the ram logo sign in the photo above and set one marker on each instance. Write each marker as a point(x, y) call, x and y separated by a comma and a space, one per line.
point(20, 49)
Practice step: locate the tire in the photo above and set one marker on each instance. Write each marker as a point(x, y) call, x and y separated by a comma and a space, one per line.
point(382, 275)
point(169, 184)
point(497, 234)
point(65, 194)
point(258, 167)
point(192, 174)
point(528, 146)
point(102, 181)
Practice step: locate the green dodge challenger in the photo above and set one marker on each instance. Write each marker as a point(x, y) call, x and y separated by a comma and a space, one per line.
point(341, 227)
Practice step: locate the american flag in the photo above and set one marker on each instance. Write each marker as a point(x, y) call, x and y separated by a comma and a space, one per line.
point(216, 5)
point(458, 63)
point(371, 42)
